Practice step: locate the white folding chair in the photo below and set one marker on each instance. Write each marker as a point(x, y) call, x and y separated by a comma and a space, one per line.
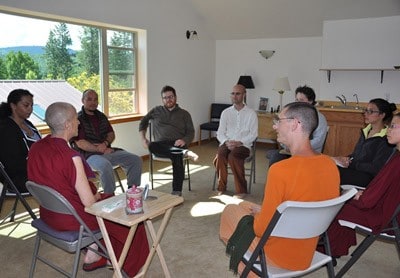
point(297, 220)
point(391, 233)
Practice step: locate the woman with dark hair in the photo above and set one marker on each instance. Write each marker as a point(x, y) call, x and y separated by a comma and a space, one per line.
point(17, 135)
point(374, 206)
point(372, 149)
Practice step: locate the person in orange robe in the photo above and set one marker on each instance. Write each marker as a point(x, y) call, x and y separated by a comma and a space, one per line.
point(306, 176)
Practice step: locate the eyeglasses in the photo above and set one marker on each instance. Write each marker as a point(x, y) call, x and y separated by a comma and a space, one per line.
point(169, 97)
point(369, 111)
point(277, 120)
point(235, 94)
point(393, 126)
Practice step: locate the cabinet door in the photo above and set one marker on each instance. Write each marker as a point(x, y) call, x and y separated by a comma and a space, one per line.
point(348, 135)
point(329, 147)
point(265, 130)
point(344, 131)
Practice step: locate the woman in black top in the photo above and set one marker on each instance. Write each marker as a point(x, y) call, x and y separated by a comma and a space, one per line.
point(17, 134)
point(372, 149)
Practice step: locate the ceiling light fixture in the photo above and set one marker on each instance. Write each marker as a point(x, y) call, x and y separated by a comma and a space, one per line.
point(267, 53)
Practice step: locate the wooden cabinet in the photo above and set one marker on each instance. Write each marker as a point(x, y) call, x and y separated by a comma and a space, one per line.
point(344, 131)
point(265, 130)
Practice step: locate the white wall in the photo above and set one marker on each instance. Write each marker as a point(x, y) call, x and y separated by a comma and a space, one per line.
point(297, 58)
point(188, 65)
point(301, 58)
point(362, 44)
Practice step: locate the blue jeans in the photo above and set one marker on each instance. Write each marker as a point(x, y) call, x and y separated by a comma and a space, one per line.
point(130, 163)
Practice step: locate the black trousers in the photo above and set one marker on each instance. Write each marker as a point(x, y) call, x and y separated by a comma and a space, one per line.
point(167, 149)
point(354, 177)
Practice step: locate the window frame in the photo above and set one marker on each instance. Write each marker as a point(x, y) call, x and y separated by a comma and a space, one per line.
point(140, 75)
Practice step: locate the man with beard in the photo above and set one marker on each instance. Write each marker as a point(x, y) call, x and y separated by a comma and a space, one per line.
point(173, 132)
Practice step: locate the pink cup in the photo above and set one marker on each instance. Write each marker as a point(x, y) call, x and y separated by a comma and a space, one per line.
point(134, 200)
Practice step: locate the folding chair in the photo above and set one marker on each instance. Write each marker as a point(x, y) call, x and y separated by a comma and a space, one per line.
point(391, 233)
point(10, 190)
point(69, 241)
point(213, 123)
point(153, 157)
point(297, 220)
point(249, 171)
point(116, 168)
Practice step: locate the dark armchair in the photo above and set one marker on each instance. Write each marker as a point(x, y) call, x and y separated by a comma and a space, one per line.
point(215, 115)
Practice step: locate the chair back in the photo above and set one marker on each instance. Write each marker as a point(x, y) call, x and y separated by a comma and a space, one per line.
point(11, 190)
point(70, 241)
point(216, 111)
point(307, 219)
point(50, 199)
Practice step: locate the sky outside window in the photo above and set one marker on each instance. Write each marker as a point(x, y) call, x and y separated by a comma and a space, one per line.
point(24, 31)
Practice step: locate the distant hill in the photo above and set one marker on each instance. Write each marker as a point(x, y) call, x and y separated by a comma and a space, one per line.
point(31, 50)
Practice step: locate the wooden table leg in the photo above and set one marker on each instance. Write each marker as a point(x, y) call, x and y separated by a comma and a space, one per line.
point(110, 249)
point(155, 246)
point(127, 245)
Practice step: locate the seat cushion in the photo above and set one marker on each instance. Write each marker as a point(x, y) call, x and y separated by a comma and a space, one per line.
point(40, 225)
point(210, 126)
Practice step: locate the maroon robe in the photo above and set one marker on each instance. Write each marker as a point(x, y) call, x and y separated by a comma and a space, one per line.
point(50, 163)
point(373, 209)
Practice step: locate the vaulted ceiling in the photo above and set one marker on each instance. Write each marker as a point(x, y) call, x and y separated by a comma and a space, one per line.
point(252, 19)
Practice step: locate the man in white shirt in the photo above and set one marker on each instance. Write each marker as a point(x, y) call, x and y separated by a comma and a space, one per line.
point(238, 128)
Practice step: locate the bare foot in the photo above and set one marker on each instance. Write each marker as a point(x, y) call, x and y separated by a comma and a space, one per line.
point(91, 256)
point(193, 156)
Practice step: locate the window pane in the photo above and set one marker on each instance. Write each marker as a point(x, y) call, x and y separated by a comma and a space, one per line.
point(36, 44)
point(121, 68)
point(121, 102)
point(120, 39)
point(120, 61)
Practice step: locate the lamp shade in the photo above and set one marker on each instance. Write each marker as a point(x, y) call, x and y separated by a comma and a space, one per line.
point(281, 85)
point(246, 81)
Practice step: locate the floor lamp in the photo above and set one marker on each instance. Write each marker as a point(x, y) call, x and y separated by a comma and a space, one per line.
point(281, 85)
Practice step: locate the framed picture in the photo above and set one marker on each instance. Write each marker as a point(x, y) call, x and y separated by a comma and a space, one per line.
point(263, 105)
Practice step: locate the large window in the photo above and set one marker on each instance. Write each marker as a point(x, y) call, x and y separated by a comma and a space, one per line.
point(85, 56)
